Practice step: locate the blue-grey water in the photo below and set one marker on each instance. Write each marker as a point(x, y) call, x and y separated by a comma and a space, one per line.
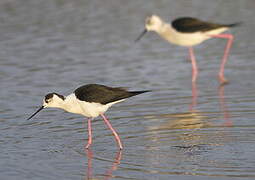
point(58, 45)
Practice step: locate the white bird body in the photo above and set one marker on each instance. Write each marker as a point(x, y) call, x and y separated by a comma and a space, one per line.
point(168, 33)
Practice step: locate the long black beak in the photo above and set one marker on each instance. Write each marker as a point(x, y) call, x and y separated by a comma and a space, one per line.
point(141, 35)
point(41, 108)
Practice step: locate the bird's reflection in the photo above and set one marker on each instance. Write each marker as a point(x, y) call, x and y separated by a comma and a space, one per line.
point(108, 173)
point(223, 106)
point(187, 120)
point(184, 131)
point(191, 121)
point(89, 168)
point(194, 97)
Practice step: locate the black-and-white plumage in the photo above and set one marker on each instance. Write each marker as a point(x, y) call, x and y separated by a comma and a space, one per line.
point(91, 101)
point(188, 32)
point(184, 31)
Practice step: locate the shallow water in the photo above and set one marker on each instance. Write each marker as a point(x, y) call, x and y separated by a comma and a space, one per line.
point(57, 45)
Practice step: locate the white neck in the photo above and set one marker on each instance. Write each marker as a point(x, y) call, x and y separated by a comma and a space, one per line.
point(168, 33)
point(71, 105)
point(165, 29)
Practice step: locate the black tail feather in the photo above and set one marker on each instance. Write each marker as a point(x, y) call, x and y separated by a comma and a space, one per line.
point(134, 93)
point(126, 94)
point(234, 24)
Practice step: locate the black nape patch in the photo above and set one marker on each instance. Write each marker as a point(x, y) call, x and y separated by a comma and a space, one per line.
point(50, 95)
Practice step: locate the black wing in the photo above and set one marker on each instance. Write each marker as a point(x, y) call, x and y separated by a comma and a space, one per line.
point(190, 25)
point(103, 94)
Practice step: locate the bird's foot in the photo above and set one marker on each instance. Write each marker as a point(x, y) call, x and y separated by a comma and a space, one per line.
point(120, 144)
point(87, 146)
point(222, 80)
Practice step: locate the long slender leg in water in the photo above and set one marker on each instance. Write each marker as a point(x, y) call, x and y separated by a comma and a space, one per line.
point(230, 38)
point(89, 134)
point(113, 131)
point(194, 64)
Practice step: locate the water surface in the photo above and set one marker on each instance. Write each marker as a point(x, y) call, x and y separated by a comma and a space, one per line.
point(56, 46)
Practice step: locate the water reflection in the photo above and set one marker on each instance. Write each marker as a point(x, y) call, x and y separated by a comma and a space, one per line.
point(182, 130)
point(108, 173)
point(188, 120)
point(223, 106)
point(194, 96)
point(190, 129)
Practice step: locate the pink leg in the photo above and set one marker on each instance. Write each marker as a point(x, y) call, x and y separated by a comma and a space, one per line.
point(113, 131)
point(225, 57)
point(89, 134)
point(194, 64)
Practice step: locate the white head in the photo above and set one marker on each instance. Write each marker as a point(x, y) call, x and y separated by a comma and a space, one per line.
point(153, 23)
point(51, 100)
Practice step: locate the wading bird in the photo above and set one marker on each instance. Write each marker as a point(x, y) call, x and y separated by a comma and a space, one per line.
point(91, 101)
point(188, 32)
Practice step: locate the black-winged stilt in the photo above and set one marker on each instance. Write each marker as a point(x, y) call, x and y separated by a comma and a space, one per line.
point(91, 101)
point(188, 32)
